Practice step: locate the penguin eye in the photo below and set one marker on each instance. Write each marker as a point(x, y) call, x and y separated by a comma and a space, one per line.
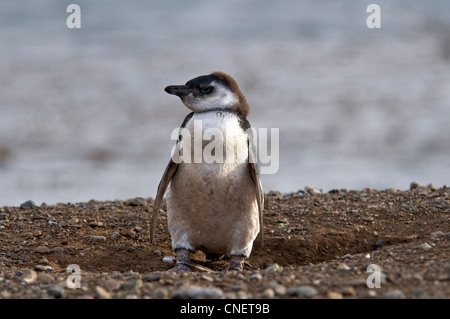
point(206, 89)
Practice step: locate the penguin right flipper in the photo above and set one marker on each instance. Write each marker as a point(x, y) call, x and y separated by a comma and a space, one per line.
point(170, 171)
point(254, 173)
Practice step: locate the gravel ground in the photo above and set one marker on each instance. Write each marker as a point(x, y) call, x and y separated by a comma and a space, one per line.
point(317, 245)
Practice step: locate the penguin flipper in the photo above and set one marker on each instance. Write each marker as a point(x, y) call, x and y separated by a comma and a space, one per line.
point(165, 180)
point(254, 173)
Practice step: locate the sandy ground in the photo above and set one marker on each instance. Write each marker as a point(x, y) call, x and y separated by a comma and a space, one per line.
point(317, 245)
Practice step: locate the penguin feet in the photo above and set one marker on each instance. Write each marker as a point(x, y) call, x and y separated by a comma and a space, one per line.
point(236, 263)
point(182, 257)
point(180, 269)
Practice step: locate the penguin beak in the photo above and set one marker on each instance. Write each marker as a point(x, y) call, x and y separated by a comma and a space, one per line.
point(179, 90)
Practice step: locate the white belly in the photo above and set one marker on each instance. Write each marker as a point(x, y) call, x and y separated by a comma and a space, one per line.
point(212, 206)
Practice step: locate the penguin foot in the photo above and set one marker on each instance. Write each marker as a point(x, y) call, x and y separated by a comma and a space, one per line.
point(180, 269)
point(182, 257)
point(236, 264)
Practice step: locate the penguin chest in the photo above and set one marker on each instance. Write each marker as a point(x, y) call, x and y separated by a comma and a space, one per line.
point(212, 202)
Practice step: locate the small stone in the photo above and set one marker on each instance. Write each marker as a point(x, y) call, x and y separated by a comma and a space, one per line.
point(160, 293)
point(114, 235)
point(42, 250)
point(56, 291)
point(73, 221)
point(207, 292)
point(334, 295)
point(379, 243)
point(357, 282)
point(208, 278)
point(424, 246)
point(273, 268)
point(348, 291)
point(414, 185)
point(302, 291)
point(28, 204)
point(343, 267)
point(43, 261)
point(138, 201)
point(58, 250)
point(255, 277)
point(111, 284)
point(312, 190)
point(44, 278)
point(43, 268)
point(367, 256)
point(268, 293)
point(101, 293)
point(96, 238)
point(394, 294)
point(37, 233)
point(29, 276)
point(158, 252)
point(153, 277)
point(96, 224)
point(436, 235)
point(169, 259)
point(134, 285)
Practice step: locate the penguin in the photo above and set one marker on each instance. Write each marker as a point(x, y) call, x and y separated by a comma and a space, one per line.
point(213, 206)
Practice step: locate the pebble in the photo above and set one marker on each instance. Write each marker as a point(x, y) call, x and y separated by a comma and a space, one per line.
point(348, 291)
point(114, 235)
point(357, 282)
point(334, 295)
point(302, 291)
point(268, 293)
point(96, 238)
point(394, 294)
point(28, 204)
point(208, 278)
point(138, 201)
point(344, 267)
point(96, 224)
point(43, 268)
point(134, 285)
point(207, 292)
point(56, 291)
point(73, 221)
point(101, 293)
point(169, 259)
point(273, 268)
point(29, 276)
point(424, 246)
point(153, 277)
point(312, 190)
point(256, 277)
point(379, 243)
point(58, 250)
point(160, 293)
point(279, 290)
point(436, 235)
point(42, 250)
point(44, 278)
point(111, 284)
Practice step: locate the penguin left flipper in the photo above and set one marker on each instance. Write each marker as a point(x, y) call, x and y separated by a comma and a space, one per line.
point(254, 173)
point(165, 181)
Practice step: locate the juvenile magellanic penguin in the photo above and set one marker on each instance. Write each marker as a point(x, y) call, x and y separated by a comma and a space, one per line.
point(213, 206)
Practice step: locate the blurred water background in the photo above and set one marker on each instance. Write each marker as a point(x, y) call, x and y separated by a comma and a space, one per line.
point(83, 114)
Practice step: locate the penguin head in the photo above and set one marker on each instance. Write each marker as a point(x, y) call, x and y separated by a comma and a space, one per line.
point(216, 91)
